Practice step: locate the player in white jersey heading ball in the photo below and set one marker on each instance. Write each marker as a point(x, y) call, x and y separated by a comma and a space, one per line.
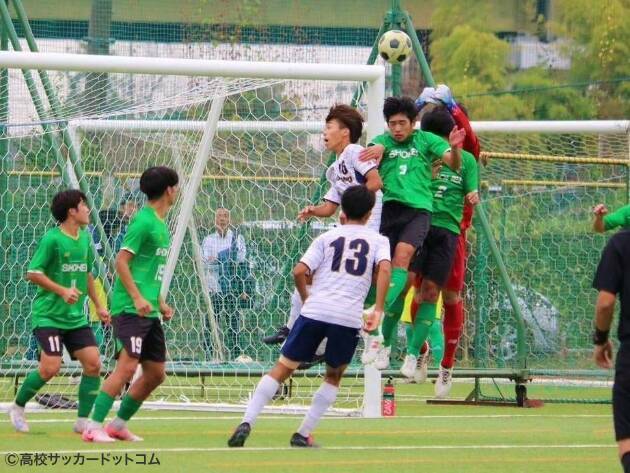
point(343, 129)
point(341, 262)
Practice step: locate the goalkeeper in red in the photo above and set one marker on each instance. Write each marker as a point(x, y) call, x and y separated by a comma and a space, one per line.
point(453, 320)
point(62, 269)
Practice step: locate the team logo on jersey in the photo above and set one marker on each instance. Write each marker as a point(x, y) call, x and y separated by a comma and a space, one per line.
point(74, 267)
point(66, 254)
point(403, 153)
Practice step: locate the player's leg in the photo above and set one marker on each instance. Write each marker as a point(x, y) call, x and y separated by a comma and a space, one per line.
point(51, 346)
point(435, 268)
point(621, 405)
point(82, 345)
point(129, 333)
point(436, 340)
point(300, 346)
point(283, 332)
point(152, 359)
point(407, 234)
point(342, 343)
point(453, 318)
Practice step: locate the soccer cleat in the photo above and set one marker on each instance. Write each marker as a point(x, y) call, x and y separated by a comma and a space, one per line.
point(422, 368)
point(373, 345)
point(240, 435)
point(382, 358)
point(16, 414)
point(80, 425)
point(279, 337)
point(97, 435)
point(298, 440)
point(408, 368)
point(444, 382)
point(122, 434)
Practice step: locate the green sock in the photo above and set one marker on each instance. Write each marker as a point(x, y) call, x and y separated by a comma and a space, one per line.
point(370, 299)
point(424, 319)
point(390, 321)
point(409, 333)
point(32, 383)
point(128, 407)
point(88, 389)
point(436, 342)
point(396, 287)
point(102, 406)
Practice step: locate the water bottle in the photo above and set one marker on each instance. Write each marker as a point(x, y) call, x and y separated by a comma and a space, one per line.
point(388, 404)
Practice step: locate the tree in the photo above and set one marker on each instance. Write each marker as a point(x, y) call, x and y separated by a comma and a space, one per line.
point(599, 34)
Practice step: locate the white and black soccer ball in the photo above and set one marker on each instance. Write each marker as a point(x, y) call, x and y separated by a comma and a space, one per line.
point(395, 46)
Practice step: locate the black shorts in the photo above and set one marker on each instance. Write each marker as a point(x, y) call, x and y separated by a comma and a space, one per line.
point(52, 340)
point(306, 335)
point(141, 337)
point(400, 223)
point(621, 393)
point(435, 259)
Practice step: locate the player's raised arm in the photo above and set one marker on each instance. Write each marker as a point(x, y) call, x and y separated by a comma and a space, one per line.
point(325, 209)
point(605, 221)
point(599, 211)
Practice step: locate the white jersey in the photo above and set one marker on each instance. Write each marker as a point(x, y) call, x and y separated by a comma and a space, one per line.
point(342, 261)
point(348, 171)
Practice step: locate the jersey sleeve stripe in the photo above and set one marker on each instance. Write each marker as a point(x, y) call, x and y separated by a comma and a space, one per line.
point(126, 248)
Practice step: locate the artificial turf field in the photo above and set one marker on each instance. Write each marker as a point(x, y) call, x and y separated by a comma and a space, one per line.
point(555, 438)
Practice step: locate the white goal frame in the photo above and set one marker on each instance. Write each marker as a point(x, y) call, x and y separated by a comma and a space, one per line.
point(372, 75)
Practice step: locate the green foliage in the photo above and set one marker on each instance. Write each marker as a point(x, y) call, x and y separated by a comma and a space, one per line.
point(475, 63)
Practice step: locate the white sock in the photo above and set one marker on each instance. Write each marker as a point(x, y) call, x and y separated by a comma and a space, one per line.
point(263, 393)
point(20, 409)
point(323, 398)
point(118, 423)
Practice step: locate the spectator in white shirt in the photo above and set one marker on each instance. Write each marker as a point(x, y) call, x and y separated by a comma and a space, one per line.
point(229, 280)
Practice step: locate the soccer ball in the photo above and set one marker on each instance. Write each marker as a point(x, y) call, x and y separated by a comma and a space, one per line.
point(395, 46)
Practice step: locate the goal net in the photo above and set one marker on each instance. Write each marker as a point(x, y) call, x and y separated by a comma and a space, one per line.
point(246, 141)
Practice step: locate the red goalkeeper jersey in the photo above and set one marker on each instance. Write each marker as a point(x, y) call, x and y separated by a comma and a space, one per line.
point(471, 144)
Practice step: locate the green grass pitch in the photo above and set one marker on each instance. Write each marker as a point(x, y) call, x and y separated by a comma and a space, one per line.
point(552, 439)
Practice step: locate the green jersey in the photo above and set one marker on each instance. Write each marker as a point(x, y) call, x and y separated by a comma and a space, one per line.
point(449, 189)
point(406, 167)
point(148, 239)
point(619, 218)
point(67, 261)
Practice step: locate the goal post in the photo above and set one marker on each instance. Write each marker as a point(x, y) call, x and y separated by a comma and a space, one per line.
point(263, 172)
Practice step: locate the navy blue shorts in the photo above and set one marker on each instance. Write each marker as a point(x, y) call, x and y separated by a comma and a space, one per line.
point(307, 334)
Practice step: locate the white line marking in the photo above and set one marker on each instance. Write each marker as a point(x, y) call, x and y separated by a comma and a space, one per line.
point(344, 448)
point(470, 416)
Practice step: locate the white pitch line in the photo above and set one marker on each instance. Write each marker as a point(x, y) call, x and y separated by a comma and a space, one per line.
point(471, 416)
point(343, 448)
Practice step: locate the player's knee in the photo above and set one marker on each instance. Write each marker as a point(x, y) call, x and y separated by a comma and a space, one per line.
point(92, 367)
point(430, 292)
point(127, 370)
point(158, 377)
point(50, 369)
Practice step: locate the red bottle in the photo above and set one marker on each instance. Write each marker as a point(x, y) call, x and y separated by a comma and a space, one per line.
point(388, 403)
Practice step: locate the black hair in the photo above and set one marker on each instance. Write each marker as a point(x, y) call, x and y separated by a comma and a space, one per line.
point(357, 201)
point(155, 180)
point(439, 122)
point(404, 105)
point(349, 118)
point(64, 201)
